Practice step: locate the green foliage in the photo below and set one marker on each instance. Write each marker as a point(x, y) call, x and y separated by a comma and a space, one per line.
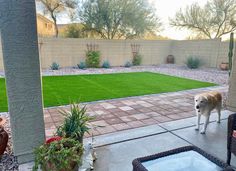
point(230, 54)
point(106, 64)
point(128, 64)
point(82, 65)
point(193, 62)
point(115, 19)
point(214, 19)
point(59, 155)
point(93, 59)
point(137, 59)
point(75, 123)
point(75, 31)
point(55, 66)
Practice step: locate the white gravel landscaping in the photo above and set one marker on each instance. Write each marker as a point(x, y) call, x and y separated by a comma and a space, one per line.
point(213, 75)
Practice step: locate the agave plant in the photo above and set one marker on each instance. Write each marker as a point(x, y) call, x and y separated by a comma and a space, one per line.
point(75, 124)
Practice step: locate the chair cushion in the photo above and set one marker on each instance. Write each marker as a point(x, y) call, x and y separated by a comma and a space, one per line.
point(233, 145)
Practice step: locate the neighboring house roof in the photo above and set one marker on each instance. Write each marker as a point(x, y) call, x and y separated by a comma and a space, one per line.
point(62, 25)
point(44, 18)
point(45, 26)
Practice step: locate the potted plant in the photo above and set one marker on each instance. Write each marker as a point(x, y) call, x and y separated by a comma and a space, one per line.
point(3, 136)
point(170, 59)
point(75, 123)
point(224, 66)
point(59, 154)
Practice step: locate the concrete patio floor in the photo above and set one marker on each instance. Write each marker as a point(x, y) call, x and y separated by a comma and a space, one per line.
point(133, 112)
point(144, 125)
point(117, 150)
point(118, 155)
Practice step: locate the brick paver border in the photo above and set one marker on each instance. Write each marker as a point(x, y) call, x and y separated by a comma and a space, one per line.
point(133, 112)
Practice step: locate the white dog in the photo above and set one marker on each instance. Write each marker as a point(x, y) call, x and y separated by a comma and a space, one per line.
point(204, 104)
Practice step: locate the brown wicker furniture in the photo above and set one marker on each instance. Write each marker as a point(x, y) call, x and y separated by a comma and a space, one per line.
point(138, 164)
point(231, 140)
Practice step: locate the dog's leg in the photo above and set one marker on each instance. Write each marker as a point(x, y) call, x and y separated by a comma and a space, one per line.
point(218, 108)
point(198, 121)
point(203, 131)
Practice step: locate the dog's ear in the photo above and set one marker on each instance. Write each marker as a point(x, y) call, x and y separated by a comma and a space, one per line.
point(205, 97)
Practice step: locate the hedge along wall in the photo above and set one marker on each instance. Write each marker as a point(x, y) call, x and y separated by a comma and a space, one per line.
point(69, 52)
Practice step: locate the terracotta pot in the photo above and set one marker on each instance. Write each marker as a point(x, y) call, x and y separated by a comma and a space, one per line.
point(170, 59)
point(51, 166)
point(224, 66)
point(3, 140)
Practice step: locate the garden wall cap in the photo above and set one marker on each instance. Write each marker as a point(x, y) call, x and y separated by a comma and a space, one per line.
point(2, 121)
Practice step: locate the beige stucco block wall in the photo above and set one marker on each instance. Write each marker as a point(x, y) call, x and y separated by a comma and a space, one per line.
point(205, 50)
point(69, 52)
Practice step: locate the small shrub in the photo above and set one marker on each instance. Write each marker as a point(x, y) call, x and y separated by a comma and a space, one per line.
point(137, 59)
point(128, 64)
point(58, 154)
point(193, 62)
point(75, 31)
point(75, 124)
point(106, 64)
point(55, 66)
point(82, 65)
point(93, 59)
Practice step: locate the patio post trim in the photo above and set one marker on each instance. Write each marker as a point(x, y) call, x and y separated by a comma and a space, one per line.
point(231, 102)
point(23, 80)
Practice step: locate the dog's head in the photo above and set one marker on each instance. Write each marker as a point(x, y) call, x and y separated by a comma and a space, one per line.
point(200, 102)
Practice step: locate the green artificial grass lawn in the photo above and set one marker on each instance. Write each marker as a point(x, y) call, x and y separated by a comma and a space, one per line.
point(61, 90)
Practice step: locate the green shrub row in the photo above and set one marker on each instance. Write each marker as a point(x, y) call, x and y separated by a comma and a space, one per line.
point(93, 61)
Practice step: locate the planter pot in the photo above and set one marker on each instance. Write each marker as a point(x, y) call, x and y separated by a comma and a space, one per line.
point(3, 140)
point(170, 59)
point(51, 167)
point(224, 66)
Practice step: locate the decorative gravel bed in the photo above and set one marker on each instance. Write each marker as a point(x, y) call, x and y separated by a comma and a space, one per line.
point(213, 75)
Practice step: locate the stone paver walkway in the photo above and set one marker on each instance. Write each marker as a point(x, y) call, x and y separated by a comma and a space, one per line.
point(133, 112)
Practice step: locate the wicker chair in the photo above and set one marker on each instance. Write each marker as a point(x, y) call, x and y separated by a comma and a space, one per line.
point(138, 166)
point(231, 141)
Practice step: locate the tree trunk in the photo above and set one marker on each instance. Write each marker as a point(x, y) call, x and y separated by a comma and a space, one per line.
point(56, 29)
point(23, 81)
point(55, 25)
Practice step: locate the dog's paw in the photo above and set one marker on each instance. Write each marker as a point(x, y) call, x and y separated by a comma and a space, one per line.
point(196, 129)
point(203, 132)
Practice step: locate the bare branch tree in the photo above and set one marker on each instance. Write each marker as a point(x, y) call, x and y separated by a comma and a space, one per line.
point(216, 18)
point(54, 7)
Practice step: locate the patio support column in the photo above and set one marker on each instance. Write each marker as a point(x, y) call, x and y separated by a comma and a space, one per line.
point(231, 102)
point(22, 70)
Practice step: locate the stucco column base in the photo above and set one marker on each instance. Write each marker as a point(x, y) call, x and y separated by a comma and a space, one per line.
point(22, 71)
